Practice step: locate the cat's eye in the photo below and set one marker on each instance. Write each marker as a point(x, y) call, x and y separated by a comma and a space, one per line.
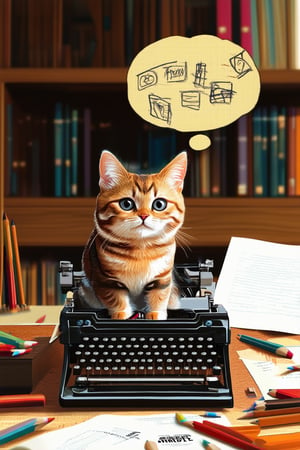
point(159, 204)
point(127, 204)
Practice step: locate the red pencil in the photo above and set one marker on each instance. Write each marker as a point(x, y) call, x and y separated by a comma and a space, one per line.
point(209, 429)
point(13, 400)
point(284, 393)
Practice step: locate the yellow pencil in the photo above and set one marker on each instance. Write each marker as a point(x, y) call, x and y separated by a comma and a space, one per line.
point(151, 445)
point(15, 247)
point(12, 295)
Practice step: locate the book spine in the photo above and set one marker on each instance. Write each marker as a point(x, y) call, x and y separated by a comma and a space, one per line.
point(246, 26)
point(291, 156)
point(74, 163)
point(224, 19)
point(254, 34)
point(273, 137)
point(282, 157)
point(87, 127)
point(67, 151)
point(242, 131)
point(58, 150)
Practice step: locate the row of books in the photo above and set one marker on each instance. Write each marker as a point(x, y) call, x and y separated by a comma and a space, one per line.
point(268, 152)
point(268, 29)
point(109, 33)
point(41, 282)
point(259, 158)
point(58, 155)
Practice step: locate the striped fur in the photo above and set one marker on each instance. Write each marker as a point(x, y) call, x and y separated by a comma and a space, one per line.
point(129, 256)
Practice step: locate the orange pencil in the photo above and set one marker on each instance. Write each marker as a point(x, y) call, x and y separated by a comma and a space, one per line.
point(12, 295)
point(283, 419)
point(270, 412)
point(15, 247)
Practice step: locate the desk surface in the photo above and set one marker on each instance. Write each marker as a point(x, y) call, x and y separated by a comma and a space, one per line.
point(49, 386)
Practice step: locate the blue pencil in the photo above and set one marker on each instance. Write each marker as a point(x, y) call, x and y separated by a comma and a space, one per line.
point(23, 428)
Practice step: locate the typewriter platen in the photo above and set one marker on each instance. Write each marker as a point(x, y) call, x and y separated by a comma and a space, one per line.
point(181, 361)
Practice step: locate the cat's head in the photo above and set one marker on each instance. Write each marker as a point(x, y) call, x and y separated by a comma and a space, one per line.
point(140, 207)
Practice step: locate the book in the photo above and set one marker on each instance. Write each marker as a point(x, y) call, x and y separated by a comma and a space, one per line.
point(254, 34)
point(246, 40)
point(243, 160)
point(58, 149)
point(74, 152)
point(20, 374)
point(224, 19)
point(282, 152)
point(291, 151)
point(293, 20)
point(273, 142)
point(259, 285)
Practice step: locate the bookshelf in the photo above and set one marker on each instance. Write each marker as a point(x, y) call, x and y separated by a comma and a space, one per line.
point(266, 218)
point(50, 222)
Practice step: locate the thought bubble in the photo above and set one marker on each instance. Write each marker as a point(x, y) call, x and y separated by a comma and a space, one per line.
point(193, 84)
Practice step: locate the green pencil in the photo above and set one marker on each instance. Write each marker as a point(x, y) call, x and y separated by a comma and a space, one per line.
point(7, 338)
point(272, 347)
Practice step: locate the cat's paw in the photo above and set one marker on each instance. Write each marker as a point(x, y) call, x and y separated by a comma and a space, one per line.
point(156, 315)
point(119, 315)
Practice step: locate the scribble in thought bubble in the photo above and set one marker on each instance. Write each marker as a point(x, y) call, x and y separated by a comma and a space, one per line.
point(193, 84)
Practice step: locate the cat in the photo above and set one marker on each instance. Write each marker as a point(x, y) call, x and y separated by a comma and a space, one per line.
point(129, 257)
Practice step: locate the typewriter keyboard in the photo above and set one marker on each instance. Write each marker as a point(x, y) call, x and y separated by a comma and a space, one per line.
point(100, 359)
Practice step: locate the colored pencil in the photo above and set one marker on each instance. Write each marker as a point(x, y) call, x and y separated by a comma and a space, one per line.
point(295, 367)
point(278, 403)
point(209, 445)
point(151, 445)
point(284, 393)
point(23, 428)
point(9, 266)
point(221, 433)
point(271, 421)
point(14, 400)
point(7, 338)
point(270, 412)
point(271, 347)
point(15, 247)
point(6, 346)
point(15, 351)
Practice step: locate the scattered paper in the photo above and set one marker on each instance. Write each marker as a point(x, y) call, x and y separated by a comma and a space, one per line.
point(124, 432)
point(259, 285)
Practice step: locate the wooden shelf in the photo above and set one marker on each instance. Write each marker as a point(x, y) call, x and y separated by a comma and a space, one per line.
point(115, 75)
point(210, 222)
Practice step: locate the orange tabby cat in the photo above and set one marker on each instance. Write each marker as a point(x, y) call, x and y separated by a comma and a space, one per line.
point(129, 257)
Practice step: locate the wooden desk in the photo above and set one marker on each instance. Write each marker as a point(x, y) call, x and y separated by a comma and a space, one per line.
point(49, 385)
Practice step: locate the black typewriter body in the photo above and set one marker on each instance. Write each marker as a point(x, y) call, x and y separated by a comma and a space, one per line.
point(182, 361)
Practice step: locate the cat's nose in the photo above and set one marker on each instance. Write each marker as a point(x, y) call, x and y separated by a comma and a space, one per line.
point(144, 217)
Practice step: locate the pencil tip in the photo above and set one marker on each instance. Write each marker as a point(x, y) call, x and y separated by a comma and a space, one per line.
point(49, 419)
point(180, 417)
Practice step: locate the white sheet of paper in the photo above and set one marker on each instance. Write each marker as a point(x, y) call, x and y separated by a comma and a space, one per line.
point(259, 285)
point(268, 375)
point(122, 432)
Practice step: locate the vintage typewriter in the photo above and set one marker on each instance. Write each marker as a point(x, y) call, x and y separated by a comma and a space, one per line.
point(180, 361)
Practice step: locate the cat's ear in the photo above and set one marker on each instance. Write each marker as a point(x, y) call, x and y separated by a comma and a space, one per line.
point(111, 171)
point(175, 171)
